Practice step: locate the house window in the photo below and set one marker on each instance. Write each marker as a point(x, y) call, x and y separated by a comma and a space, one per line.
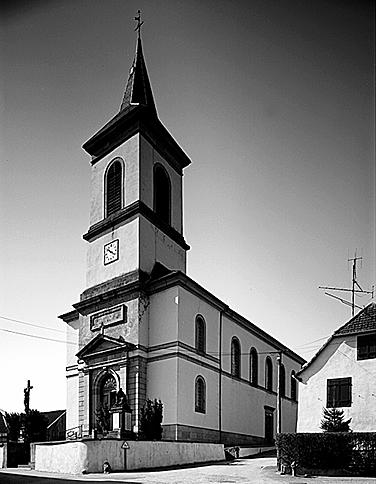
point(200, 395)
point(366, 346)
point(268, 373)
point(338, 392)
point(253, 366)
point(294, 393)
point(162, 194)
point(282, 381)
point(113, 187)
point(200, 334)
point(235, 357)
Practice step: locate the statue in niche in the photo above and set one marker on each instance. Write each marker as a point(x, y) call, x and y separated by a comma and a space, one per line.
point(122, 401)
point(103, 418)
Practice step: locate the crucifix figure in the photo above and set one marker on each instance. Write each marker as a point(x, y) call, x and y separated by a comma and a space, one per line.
point(139, 23)
point(27, 397)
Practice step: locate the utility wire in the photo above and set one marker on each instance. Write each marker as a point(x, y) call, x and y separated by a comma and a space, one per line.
point(33, 324)
point(39, 337)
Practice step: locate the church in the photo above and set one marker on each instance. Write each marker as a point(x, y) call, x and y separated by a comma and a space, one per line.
point(143, 326)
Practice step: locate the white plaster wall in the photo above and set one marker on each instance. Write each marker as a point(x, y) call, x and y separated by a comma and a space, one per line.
point(129, 153)
point(163, 317)
point(149, 157)
point(163, 454)
point(338, 360)
point(162, 384)
point(156, 246)
point(128, 236)
point(244, 407)
point(187, 373)
point(3, 455)
point(89, 455)
point(72, 336)
point(72, 400)
point(65, 457)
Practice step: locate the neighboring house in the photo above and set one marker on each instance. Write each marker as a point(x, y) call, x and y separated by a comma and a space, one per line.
point(3, 440)
point(342, 375)
point(3, 427)
point(55, 424)
point(142, 324)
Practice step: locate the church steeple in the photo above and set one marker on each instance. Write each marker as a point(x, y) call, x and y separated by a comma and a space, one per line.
point(138, 90)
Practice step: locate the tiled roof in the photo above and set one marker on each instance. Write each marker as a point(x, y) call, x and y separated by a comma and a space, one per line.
point(362, 322)
point(52, 416)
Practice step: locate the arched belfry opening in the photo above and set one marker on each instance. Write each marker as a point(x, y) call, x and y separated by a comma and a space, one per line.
point(162, 194)
point(113, 187)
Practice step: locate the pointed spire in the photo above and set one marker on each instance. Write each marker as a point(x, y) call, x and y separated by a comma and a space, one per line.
point(138, 90)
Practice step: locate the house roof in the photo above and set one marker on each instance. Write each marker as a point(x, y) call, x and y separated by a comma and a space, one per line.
point(53, 416)
point(363, 322)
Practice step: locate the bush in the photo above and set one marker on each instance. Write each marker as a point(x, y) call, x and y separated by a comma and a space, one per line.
point(353, 452)
point(151, 420)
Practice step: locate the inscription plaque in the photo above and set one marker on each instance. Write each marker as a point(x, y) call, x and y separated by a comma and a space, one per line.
point(109, 317)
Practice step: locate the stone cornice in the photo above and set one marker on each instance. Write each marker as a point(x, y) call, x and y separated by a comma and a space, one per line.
point(125, 214)
point(137, 120)
point(181, 279)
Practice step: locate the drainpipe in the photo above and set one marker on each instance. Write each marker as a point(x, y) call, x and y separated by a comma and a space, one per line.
point(220, 375)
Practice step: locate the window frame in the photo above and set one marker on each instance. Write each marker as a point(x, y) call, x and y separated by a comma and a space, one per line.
point(200, 334)
point(268, 374)
point(253, 366)
point(366, 351)
point(282, 380)
point(339, 392)
point(166, 218)
point(235, 357)
point(109, 167)
point(293, 387)
point(200, 394)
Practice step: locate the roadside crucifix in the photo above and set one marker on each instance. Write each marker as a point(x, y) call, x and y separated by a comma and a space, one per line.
point(27, 397)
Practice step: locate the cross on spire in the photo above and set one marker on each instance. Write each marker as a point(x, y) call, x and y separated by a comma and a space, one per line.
point(139, 23)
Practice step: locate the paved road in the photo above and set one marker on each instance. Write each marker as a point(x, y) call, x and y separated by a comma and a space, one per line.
point(244, 471)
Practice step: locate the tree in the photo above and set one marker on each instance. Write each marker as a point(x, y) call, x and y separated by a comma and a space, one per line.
point(151, 419)
point(34, 425)
point(333, 421)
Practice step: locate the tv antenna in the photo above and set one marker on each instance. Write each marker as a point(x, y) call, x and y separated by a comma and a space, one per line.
point(355, 290)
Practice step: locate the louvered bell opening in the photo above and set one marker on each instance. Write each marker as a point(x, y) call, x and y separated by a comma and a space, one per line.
point(113, 188)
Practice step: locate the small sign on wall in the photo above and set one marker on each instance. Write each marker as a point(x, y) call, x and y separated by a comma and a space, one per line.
point(109, 317)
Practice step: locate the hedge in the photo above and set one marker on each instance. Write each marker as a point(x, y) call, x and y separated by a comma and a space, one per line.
point(350, 452)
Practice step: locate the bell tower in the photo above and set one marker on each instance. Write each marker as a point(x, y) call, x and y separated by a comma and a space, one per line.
point(135, 235)
point(136, 216)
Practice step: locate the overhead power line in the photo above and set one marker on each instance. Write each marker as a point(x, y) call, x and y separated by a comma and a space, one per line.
point(33, 324)
point(39, 337)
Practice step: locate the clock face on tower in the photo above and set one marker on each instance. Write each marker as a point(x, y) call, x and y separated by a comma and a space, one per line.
point(111, 252)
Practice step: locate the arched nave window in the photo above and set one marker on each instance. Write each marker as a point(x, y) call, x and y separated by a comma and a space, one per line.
point(162, 193)
point(282, 381)
point(200, 395)
point(253, 366)
point(293, 386)
point(113, 187)
point(200, 334)
point(268, 373)
point(235, 357)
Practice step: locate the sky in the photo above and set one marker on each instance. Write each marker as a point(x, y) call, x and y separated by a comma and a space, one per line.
point(273, 101)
